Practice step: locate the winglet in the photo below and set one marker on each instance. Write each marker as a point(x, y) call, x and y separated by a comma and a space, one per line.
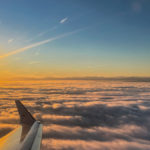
point(25, 117)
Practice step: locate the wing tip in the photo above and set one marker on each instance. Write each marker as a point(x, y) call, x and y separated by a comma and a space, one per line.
point(25, 115)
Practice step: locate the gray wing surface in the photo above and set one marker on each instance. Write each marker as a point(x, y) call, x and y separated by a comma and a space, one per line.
point(27, 136)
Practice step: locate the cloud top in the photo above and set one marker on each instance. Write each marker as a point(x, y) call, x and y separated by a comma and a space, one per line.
point(82, 115)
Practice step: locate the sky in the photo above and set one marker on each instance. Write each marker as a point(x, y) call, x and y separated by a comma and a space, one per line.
point(74, 38)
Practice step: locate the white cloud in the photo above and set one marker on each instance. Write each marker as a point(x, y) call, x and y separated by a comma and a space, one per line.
point(10, 41)
point(63, 20)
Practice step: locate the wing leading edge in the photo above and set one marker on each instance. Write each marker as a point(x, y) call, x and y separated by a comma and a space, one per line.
point(27, 137)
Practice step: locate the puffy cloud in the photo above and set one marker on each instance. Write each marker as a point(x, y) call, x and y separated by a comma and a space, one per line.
point(54, 144)
point(82, 114)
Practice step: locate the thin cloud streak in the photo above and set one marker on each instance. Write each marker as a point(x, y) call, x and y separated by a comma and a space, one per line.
point(42, 34)
point(63, 20)
point(39, 43)
point(10, 41)
point(51, 29)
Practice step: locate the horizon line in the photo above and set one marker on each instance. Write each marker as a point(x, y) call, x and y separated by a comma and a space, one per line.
point(96, 78)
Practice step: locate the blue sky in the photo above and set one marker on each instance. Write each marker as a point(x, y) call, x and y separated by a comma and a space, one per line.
point(102, 37)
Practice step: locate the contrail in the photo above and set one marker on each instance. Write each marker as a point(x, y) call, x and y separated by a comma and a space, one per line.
point(41, 34)
point(39, 43)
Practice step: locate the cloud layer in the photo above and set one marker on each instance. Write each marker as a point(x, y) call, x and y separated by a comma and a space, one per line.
point(82, 115)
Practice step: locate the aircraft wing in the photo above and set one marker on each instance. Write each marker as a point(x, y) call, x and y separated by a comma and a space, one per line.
point(26, 137)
